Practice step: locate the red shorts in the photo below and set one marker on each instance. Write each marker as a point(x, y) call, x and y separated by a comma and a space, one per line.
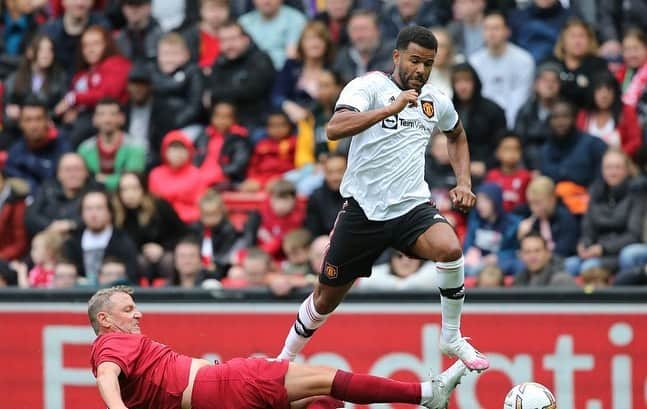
point(252, 383)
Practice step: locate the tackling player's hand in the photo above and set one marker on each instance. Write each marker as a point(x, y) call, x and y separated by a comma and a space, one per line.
point(408, 97)
point(462, 198)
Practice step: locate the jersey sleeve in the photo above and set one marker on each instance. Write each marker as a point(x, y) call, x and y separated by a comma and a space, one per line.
point(356, 95)
point(120, 349)
point(447, 115)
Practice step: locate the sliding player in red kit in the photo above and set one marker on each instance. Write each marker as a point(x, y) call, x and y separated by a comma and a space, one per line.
point(135, 372)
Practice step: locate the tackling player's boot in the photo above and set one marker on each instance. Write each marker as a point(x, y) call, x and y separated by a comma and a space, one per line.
point(461, 349)
point(443, 384)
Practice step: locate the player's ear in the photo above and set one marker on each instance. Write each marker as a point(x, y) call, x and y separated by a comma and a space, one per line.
point(103, 319)
point(396, 57)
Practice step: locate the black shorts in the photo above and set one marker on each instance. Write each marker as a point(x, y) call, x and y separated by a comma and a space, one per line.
point(356, 242)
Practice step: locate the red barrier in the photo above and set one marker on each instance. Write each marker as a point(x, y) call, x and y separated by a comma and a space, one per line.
point(591, 356)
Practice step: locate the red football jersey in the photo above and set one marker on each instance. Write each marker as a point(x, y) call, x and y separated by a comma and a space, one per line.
point(153, 376)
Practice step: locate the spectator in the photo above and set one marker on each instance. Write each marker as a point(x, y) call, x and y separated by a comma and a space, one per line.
point(440, 76)
point(139, 110)
point(511, 176)
point(490, 277)
point(570, 155)
point(318, 249)
point(38, 75)
point(56, 204)
point(188, 265)
point(326, 201)
point(202, 37)
point(150, 222)
point(537, 27)
point(335, 17)
point(138, 39)
point(296, 246)
point(65, 275)
point(45, 252)
point(366, 52)
point(65, 31)
point(273, 155)
point(109, 153)
point(613, 219)
point(482, 118)
point(505, 70)
point(13, 235)
point(219, 238)
point(633, 74)
point(532, 120)
point(405, 13)
point(223, 150)
point(176, 179)
point(595, 278)
point(174, 15)
point(254, 272)
point(279, 215)
point(615, 18)
point(275, 28)
point(297, 84)
point(549, 217)
point(103, 73)
point(99, 239)
point(8, 276)
point(34, 157)
point(467, 28)
point(177, 89)
point(242, 75)
point(18, 25)
point(541, 266)
point(491, 235)
point(401, 273)
point(112, 272)
point(608, 118)
point(576, 53)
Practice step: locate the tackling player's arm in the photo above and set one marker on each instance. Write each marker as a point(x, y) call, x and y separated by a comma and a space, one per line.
point(347, 122)
point(459, 157)
point(108, 383)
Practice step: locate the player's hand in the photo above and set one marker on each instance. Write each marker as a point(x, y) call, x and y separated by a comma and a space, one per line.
point(462, 198)
point(408, 97)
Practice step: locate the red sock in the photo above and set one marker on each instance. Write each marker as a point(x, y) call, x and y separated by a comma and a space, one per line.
point(358, 388)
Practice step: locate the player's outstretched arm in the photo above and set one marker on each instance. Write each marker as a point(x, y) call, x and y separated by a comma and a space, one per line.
point(347, 122)
point(459, 157)
point(108, 383)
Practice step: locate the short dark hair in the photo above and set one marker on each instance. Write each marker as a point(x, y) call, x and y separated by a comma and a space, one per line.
point(112, 260)
point(418, 35)
point(499, 13)
point(563, 101)
point(365, 13)
point(33, 101)
point(191, 240)
point(234, 23)
point(508, 134)
point(103, 193)
point(109, 101)
point(534, 235)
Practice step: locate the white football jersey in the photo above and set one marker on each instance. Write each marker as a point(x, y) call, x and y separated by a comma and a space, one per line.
point(386, 162)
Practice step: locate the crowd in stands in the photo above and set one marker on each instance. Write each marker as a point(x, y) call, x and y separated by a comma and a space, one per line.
point(182, 143)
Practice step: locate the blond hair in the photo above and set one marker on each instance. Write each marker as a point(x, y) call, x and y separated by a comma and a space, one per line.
point(53, 242)
point(211, 196)
point(559, 49)
point(100, 302)
point(173, 38)
point(541, 186)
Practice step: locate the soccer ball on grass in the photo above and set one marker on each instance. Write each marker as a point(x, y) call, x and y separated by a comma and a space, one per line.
point(529, 395)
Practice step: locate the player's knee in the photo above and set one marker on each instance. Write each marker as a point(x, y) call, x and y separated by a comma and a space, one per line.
point(324, 304)
point(449, 252)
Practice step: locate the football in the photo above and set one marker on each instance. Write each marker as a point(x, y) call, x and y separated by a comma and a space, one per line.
point(529, 395)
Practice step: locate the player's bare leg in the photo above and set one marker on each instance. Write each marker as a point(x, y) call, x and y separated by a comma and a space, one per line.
point(304, 381)
point(312, 314)
point(440, 243)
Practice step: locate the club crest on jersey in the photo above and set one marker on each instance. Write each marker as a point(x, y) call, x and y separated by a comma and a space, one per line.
point(427, 108)
point(330, 271)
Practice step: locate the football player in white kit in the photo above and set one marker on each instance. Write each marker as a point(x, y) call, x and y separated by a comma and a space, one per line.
point(390, 118)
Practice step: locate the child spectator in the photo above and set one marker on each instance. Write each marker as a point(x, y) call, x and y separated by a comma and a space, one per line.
point(202, 37)
point(103, 73)
point(253, 272)
point(14, 240)
point(609, 118)
point(112, 272)
point(177, 180)
point(278, 216)
point(110, 153)
point(177, 88)
point(65, 275)
point(491, 235)
point(219, 237)
point(511, 177)
point(45, 250)
point(223, 150)
point(594, 278)
point(296, 245)
point(490, 277)
point(273, 155)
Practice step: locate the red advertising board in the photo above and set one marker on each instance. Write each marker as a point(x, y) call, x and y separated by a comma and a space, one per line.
point(591, 356)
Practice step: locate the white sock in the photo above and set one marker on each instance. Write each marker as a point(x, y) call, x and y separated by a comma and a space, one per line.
point(426, 392)
point(451, 277)
point(308, 320)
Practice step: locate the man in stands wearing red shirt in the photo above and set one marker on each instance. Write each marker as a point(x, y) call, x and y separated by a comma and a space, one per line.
point(133, 371)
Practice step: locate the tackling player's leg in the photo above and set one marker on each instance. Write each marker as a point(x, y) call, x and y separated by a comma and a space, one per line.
point(440, 243)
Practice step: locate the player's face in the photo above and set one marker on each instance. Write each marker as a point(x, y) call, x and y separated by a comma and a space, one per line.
point(414, 65)
point(123, 315)
point(534, 254)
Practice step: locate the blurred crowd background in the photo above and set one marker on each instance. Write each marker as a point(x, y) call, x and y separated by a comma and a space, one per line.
point(182, 143)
